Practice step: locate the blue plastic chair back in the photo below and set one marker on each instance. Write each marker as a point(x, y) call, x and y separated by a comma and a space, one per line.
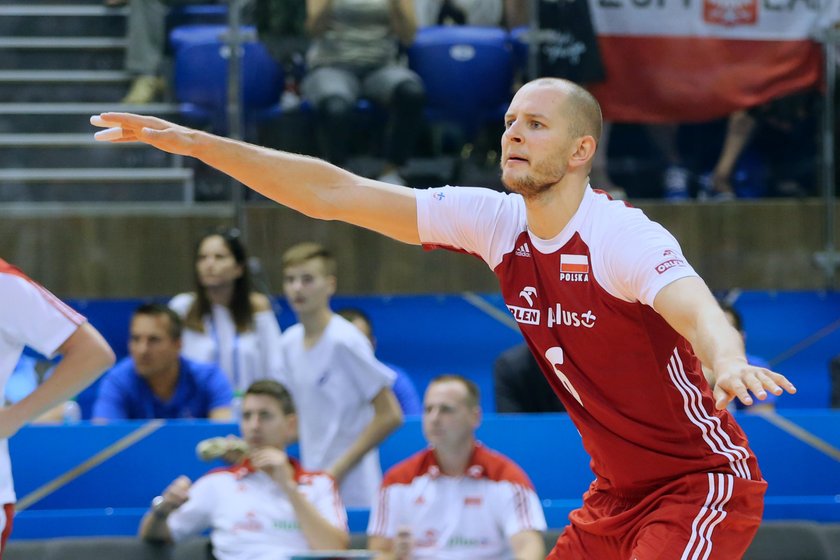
point(184, 35)
point(467, 72)
point(201, 75)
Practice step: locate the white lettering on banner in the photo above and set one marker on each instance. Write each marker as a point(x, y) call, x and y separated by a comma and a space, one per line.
point(557, 316)
point(525, 315)
point(760, 20)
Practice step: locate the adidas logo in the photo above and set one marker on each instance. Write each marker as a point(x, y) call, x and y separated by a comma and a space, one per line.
point(523, 251)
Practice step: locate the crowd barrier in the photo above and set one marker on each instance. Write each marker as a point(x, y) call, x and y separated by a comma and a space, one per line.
point(93, 480)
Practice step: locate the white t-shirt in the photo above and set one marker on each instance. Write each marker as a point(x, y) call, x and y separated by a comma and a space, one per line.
point(250, 516)
point(333, 384)
point(244, 357)
point(29, 316)
point(457, 518)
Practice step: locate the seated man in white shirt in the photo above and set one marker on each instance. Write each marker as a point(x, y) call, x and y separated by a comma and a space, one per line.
point(265, 507)
point(457, 499)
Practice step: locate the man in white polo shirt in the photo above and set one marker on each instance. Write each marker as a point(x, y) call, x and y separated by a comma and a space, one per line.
point(265, 507)
point(32, 316)
point(456, 500)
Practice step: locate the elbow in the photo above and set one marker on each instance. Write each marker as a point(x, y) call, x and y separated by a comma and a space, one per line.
point(107, 358)
point(396, 420)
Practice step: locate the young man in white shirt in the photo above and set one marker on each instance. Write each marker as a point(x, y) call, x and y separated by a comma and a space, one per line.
point(456, 500)
point(265, 507)
point(343, 393)
point(32, 316)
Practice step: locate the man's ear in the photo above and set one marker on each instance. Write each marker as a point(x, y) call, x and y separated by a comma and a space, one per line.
point(584, 152)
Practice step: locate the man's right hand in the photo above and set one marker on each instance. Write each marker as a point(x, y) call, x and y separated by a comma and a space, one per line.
point(176, 494)
point(156, 132)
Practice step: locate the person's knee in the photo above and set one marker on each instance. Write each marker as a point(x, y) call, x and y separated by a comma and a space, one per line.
point(410, 95)
point(335, 107)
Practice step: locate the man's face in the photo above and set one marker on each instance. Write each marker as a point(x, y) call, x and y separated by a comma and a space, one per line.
point(151, 345)
point(448, 420)
point(536, 145)
point(263, 423)
point(307, 286)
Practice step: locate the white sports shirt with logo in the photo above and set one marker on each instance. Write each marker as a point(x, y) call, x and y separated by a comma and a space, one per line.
point(250, 516)
point(584, 303)
point(333, 384)
point(29, 316)
point(457, 518)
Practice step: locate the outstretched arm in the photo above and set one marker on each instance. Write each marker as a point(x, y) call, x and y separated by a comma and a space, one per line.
point(308, 185)
point(690, 308)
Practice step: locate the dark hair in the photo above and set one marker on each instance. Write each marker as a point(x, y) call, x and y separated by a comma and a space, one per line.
point(473, 392)
point(157, 310)
point(729, 308)
point(353, 313)
point(240, 303)
point(276, 391)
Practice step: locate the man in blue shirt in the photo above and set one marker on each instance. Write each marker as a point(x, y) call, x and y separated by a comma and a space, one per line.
point(155, 381)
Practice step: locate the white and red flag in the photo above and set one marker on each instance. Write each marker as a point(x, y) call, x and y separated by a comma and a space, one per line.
point(696, 60)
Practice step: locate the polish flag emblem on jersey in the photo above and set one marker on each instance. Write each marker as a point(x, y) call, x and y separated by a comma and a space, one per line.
point(574, 268)
point(730, 12)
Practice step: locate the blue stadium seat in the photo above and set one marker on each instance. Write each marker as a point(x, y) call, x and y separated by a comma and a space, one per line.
point(191, 34)
point(467, 71)
point(201, 75)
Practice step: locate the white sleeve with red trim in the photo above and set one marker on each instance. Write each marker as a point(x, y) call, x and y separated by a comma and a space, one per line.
point(325, 497)
point(475, 220)
point(196, 515)
point(638, 257)
point(519, 508)
point(34, 316)
point(386, 513)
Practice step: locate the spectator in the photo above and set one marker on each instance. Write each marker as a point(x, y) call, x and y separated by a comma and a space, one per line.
point(285, 508)
point(483, 13)
point(31, 316)
point(226, 322)
point(519, 384)
point(343, 393)
point(155, 381)
point(457, 499)
point(403, 387)
point(353, 54)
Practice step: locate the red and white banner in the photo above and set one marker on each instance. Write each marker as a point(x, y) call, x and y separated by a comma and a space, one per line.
point(696, 60)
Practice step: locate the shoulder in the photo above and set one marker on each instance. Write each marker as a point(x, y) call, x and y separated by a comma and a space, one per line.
point(500, 468)
point(259, 302)
point(182, 302)
point(122, 374)
point(408, 469)
point(292, 334)
point(200, 370)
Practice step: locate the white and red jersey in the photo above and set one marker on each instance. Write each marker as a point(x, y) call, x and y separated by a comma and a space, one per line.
point(583, 301)
point(250, 516)
point(29, 316)
point(457, 518)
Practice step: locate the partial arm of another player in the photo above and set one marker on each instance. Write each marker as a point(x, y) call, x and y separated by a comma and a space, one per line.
point(387, 417)
point(308, 185)
point(690, 308)
point(85, 355)
point(527, 545)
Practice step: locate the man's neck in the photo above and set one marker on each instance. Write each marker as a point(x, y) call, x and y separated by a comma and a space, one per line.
point(314, 325)
point(164, 383)
point(454, 462)
point(549, 212)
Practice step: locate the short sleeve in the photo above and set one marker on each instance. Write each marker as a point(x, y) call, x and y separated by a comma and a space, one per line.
point(327, 501)
point(195, 516)
point(34, 316)
point(369, 374)
point(520, 508)
point(385, 514)
point(478, 221)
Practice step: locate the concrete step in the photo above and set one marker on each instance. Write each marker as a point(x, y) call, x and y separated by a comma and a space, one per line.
point(65, 53)
point(35, 86)
point(45, 151)
point(61, 20)
point(69, 117)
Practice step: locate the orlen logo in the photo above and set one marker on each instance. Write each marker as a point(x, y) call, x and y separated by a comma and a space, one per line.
point(663, 266)
point(525, 314)
point(730, 12)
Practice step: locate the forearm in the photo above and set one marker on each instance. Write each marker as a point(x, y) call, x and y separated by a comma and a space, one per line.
point(154, 528)
point(528, 545)
point(379, 428)
point(85, 355)
point(319, 533)
point(716, 342)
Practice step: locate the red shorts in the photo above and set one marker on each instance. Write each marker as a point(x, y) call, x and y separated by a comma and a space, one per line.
point(7, 516)
point(708, 516)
